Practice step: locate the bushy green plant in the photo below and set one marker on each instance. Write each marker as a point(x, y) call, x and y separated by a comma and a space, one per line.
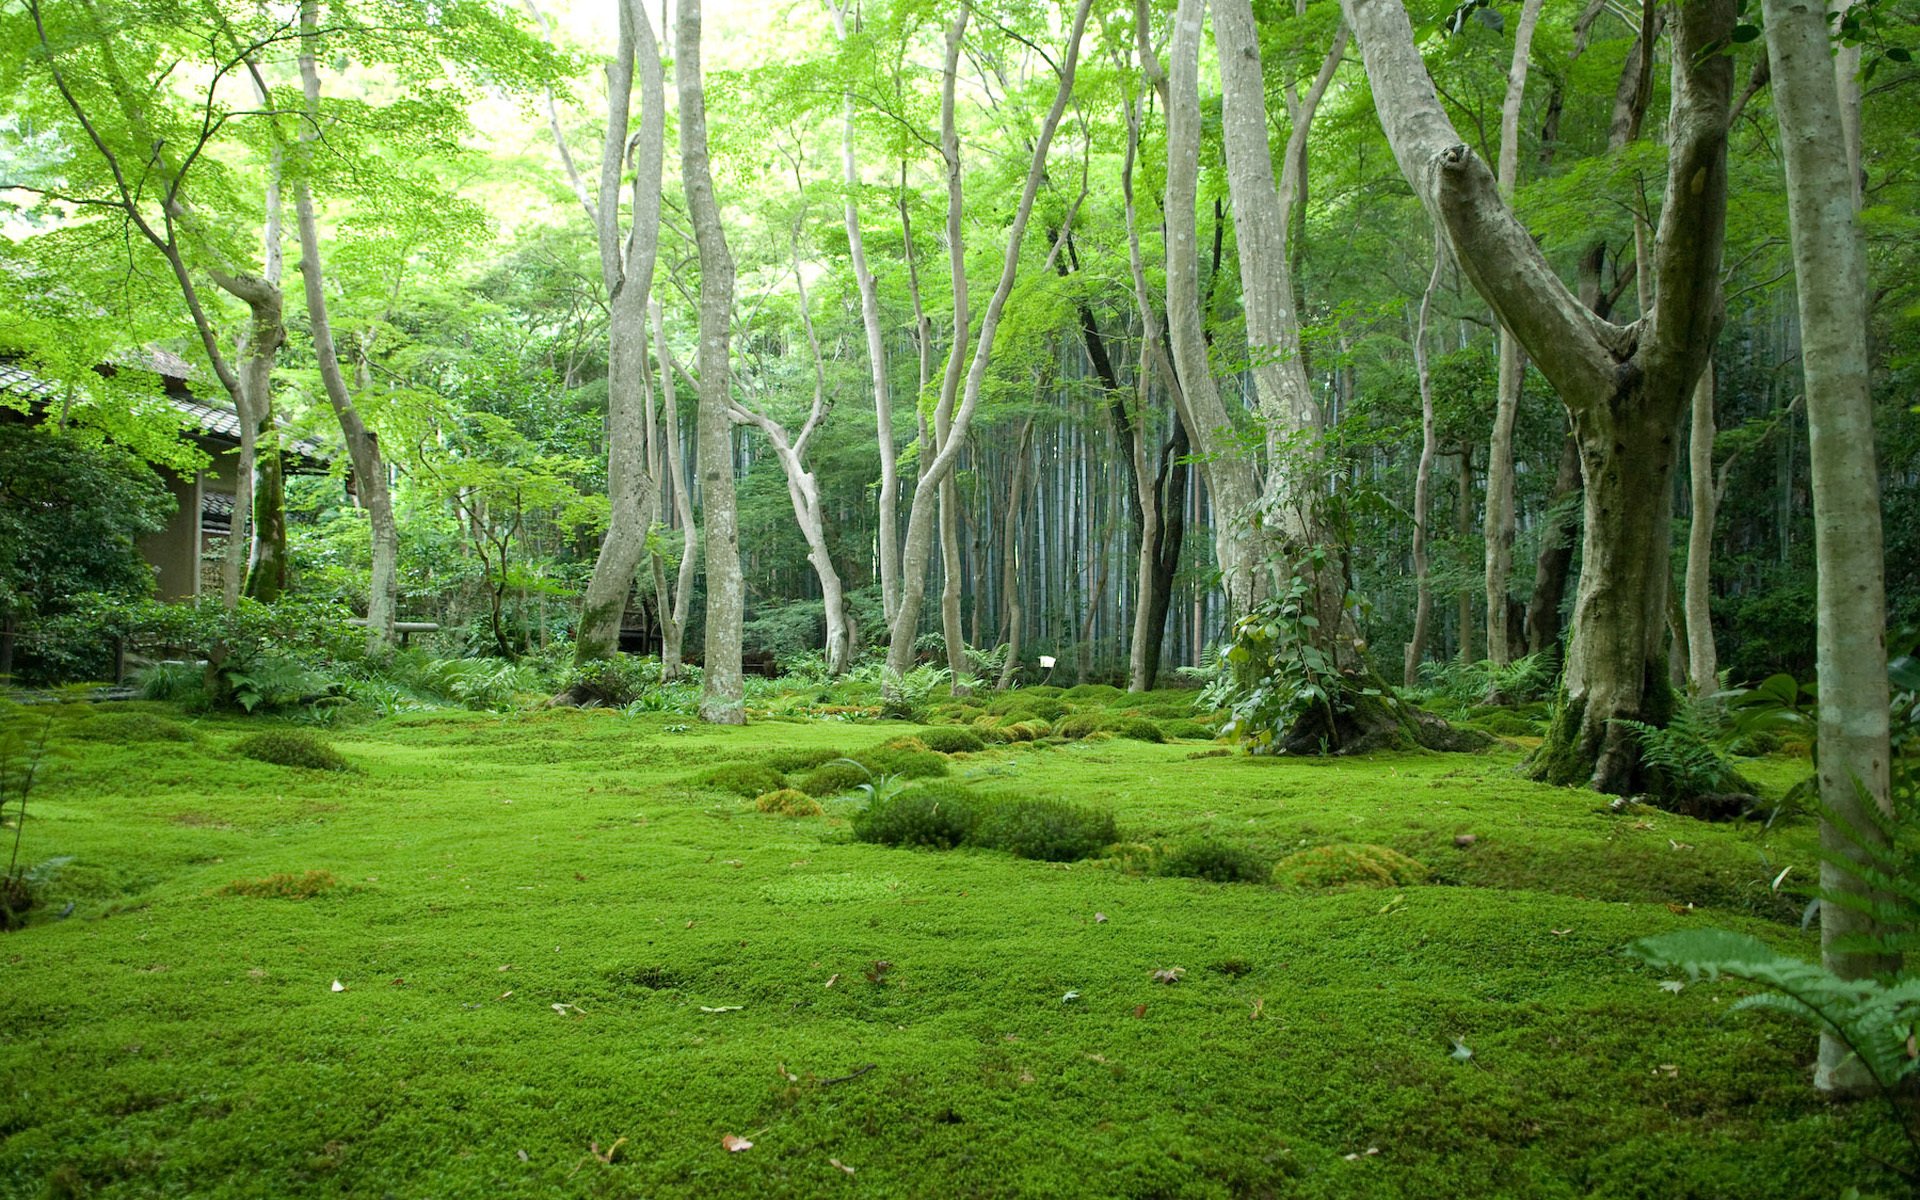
point(24, 755)
point(291, 748)
point(941, 816)
point(744, 779)
point(1276, 671)
point(169, 680)
point(480, 684)
point(904, 762)
point(1349, 864)
point(1211, 859)
point(1046, 829)
point(834, 778)
point(615, 681)
point(1681, 757)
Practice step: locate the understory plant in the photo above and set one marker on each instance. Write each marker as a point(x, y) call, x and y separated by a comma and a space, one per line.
point(23, 755)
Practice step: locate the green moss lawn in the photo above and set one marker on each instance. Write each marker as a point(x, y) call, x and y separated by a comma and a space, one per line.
point(550, 939)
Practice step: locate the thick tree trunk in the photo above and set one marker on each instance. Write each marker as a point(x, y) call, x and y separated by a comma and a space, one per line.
point(1499, 523)
point(363, 447)
point(1240, 543)
point(952, 635)
point(626, 267)
point(722, 696)
point(1814, 108)
point(1624, 386)
point(1703, 665)
point(266, 573)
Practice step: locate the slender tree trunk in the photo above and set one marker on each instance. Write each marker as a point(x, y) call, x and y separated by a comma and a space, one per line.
point(363, 446)
point(1813, 106)
point(1010, 557)
point(1499, 521)
point(1625, 386)
point(1423, 476)
point(1703, 666)
point(952, 634)
point(1463, 532)
point(673, 615)
point(954, 413)
point(1555, 558)
point(626, 266)
point(722, 696)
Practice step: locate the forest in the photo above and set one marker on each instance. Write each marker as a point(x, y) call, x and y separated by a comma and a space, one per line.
point(919, 540)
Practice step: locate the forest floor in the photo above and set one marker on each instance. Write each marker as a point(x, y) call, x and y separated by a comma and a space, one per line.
point(552, 964)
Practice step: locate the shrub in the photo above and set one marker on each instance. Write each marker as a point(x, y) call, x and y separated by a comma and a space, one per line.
point(834, 778)
point(1080, 725)
point(170, 680)
point(1348, 864)
point(1220, 862)
point(906, 763)
point(284, 886)
point(1139, 729)
point(615, 681)
point(291, 748)
point(1188, 730)
point(938, 815)
point(788, 761)
point(952, 740)
point(1046, 829)
point(788, 802)
point(744, 779)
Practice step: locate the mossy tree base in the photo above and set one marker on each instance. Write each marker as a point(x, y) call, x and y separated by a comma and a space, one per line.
point(1363, 721)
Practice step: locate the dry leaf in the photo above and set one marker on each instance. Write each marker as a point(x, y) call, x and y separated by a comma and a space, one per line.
point(505, 994)
point(1070, 997)
point(1679, 845)
point(844, 1167)
point(1559, 932)
point(834, 979)
point(720, 1008)
point(338, 986)
point(789, 1076)
point(562, 1009)
point(506, 966)
point(1169, 975)
point(1463, 840)
point(1099, 918)
point(523, 1155)
point(1356, 1157)
point(607, 1155)
point(1259, 1006)
point(735, 1144)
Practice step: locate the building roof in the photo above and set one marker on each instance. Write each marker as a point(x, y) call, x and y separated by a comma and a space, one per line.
point(218, 423)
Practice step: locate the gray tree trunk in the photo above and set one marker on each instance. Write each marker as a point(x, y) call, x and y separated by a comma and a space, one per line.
point(1703, 665)
point(1423, 477)
point(1625, 387)
point(1811, 104)
point(722, 695)
point(626, 269)
point(673, 607)
point(363, 446)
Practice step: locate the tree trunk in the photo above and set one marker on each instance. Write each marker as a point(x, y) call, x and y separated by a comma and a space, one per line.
point(1703, 666)
point(1554, 560)
point(626, 267)
point(1239, 543)
point(1463, 532)
point(1624, 386)
point(363, 446)
point(1499, 523)
point(674, 609)
point(887, 532)
point(1010, 557)
point(957, 404)
point(722, 695)
point(1423, 477)
point(952, 635)
point(1812, 105)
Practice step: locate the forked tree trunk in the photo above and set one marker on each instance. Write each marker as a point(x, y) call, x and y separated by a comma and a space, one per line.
point(363, 447)
point(1240, 542)
point(954, 413)
point(626, 268)
point(1625, 386)
point(1499, 523)
point(1813, 107)
point(722, 696)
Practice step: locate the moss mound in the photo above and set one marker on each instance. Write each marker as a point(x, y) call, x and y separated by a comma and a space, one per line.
point(743, 779)
point(788, 761)
point(1045, 829)
point(952, 740)
point(834, 778)
point(788, 802)
point(291, 748)
point(1213, 860)
point(905, 761)
point(940, 815)
point(1138, 728)
point(284, 886)
point(1093, 693)
point(127, 727)
point(1349, 864)
point(1079, 725)
point(1187, 730)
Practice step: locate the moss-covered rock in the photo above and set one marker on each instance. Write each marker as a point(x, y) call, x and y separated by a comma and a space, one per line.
point(1349, 864)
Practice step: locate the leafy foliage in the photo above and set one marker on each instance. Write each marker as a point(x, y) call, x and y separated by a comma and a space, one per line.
point(1051, 830)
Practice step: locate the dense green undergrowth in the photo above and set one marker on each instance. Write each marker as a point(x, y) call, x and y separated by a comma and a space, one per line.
point(555, 930)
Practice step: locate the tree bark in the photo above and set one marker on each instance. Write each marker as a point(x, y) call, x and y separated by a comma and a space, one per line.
point(722, 695)
point(1010, 557)
point(626, 269)
point(363, 446)
point(1703, 666)
point(674, 609)
point(1239, 540)
point(1423, 477)
point(1811, 103)
point(1624, 386)
point(1554, 560)
point(1499, 522)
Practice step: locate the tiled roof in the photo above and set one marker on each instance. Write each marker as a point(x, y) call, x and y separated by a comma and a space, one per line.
point(213, 421)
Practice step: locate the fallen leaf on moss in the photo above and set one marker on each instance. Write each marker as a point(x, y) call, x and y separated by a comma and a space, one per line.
point(735, 1144)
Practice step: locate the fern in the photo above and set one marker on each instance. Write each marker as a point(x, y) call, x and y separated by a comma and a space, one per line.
point(1682, 757)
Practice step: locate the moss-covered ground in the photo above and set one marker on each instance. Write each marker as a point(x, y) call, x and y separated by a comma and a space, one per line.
point(549, 939)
